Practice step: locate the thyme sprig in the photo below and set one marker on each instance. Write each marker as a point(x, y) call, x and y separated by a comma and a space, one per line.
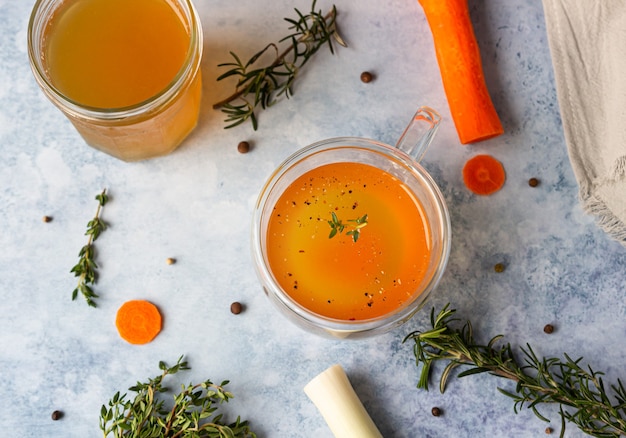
point(579, 392)
point(193, 413)
point(337, 226)
point(262, 86)
point(86, 267)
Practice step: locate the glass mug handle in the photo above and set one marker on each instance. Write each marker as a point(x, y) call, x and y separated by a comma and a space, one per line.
point(419, 133)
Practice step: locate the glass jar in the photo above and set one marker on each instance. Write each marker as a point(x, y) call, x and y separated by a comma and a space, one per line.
point(151, 127)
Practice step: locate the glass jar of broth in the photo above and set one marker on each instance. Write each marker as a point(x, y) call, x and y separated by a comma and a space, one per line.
point(125, 73)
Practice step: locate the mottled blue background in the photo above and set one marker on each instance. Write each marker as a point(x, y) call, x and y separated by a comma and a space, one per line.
point(195, 205)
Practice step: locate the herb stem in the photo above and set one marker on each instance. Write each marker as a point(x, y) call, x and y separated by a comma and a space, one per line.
point(86, 267)
point(547, 380)
point(277, 61)
point(261, 87)
point(337, 226)
point(192, 414)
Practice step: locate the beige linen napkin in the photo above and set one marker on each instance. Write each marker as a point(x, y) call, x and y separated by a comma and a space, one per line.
point(587, 41)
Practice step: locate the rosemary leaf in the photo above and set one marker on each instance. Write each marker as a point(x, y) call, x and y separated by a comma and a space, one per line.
point(579, 392)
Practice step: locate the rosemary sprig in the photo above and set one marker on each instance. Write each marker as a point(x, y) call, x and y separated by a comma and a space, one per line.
point(579, 391)
point(262, 86)
point(192, 413)
point(86, 267)
point(337, 226)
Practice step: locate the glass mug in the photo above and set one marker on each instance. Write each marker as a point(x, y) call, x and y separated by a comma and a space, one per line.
point(125, 73)
point(350, 235)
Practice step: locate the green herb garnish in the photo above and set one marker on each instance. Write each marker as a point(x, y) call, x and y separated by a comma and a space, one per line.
point(580, 392)
point(262, 86)
point(86, 267)
point(337, 226)
point(192, 413)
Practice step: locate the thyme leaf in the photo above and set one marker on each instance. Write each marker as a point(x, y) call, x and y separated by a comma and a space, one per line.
point(580, 392)
point(337, 226)
point(193, 413)
point(86, 267)
point(263, 86)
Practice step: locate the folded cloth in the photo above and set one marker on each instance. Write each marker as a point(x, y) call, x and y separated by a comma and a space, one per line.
point(587, 42)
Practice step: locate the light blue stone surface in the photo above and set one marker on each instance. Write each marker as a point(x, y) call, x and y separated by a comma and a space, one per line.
point(195, 205)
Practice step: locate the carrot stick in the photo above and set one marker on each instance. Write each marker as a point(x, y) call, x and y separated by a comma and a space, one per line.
point(138, 321)
point(483, 175)
point(458, 56)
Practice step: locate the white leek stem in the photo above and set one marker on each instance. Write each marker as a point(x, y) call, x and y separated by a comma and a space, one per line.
point(334, 397)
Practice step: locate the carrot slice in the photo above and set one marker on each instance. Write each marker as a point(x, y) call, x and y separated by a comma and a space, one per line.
point(138, 321)
point(458, 56)
point(483, 175)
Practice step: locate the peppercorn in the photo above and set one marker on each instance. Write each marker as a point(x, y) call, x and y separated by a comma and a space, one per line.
point(436, 411)
point(499, 267)
point(47, 219)
point(548, 430)
point(170, 261)
point(366, 77)
point(533, 182)
point(549, 328)
point(57, 415)
point(243, 147)
point(236, 308)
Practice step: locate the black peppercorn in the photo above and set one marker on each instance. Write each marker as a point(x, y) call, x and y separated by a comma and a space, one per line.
point(47, 219)
point(243, 147)
point(533, 182)
point(549, 328)
point(436, 411)
point(57, 415)
point(366, 77)
point(236, 308)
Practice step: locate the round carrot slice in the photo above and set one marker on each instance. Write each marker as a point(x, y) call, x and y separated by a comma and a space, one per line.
point(138, 321)
point(483, 175)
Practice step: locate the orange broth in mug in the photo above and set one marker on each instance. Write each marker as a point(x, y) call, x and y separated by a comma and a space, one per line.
point(338, 277)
